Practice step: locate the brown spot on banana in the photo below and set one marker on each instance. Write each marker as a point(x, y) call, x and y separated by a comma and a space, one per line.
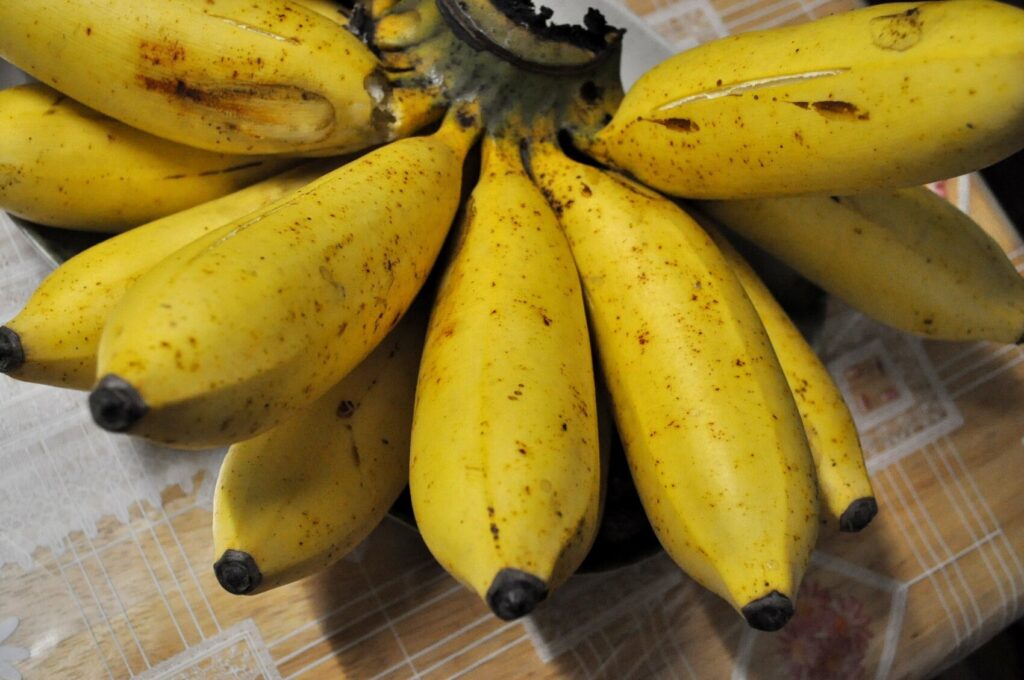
point(680, 124)
point(834, 109)
point(260, 109)
point(897, 32)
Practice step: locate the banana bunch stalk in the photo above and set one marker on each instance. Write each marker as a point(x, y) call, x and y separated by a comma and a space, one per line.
point(264, 306)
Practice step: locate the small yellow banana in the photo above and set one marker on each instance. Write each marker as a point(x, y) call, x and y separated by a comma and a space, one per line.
point(257, 319)
point(404, 29)
point(231, 76)
point(328, 8)
point(905, 257)
point(65, 165)
point(847, 499)
point(299, 497)
point(889, 96)
point(54, 338)
point(711, 431)
point(379, 8)
point(505, 473)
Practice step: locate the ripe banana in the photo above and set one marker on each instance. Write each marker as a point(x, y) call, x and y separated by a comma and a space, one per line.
point(328, 8)
point(232, 76)
point(505, 471)
point(65, 165)
point(256, 320)
point(905, 257)
point(404, 29)
point(888, 96)
point(380, 8)
point(847, 500)
point(710, 428)
point(54, 339)
point(299, 497)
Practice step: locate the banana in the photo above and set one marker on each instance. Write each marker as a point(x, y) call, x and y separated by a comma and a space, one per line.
point(297, 498)
point(379, 8)
point(711, 431)
point(844, 488)
point(54, 338)
point(404, 29)
point(505, 470)
point(257, 319)
point(889, 96)
point(328, 8)
point(231, 76)
point(906, 257)
point(64, 165)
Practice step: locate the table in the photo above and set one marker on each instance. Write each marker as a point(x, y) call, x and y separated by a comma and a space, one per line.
point(105, 548)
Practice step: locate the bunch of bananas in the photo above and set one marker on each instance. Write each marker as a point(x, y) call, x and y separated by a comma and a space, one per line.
point(263, 303)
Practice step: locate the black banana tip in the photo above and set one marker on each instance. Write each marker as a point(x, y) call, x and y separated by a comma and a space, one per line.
point(115, 404)
point(859, 514)
point(237, 572)
point(12, 354)
point(770, 612)
point(515, 593)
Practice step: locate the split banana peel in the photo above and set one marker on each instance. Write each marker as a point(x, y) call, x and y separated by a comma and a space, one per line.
point(894, 95)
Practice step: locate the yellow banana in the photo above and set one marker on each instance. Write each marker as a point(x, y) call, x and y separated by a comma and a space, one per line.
point(905, 257)
point(297, 498)
point(888, 96)
point(328, 8)
point(231, 76)
point(66, 165)
point(505, 468)
point(847, 499)
point(253, 322)
point(379, 8)
point(710, 428)
point(404, 29)
point(54, 338)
